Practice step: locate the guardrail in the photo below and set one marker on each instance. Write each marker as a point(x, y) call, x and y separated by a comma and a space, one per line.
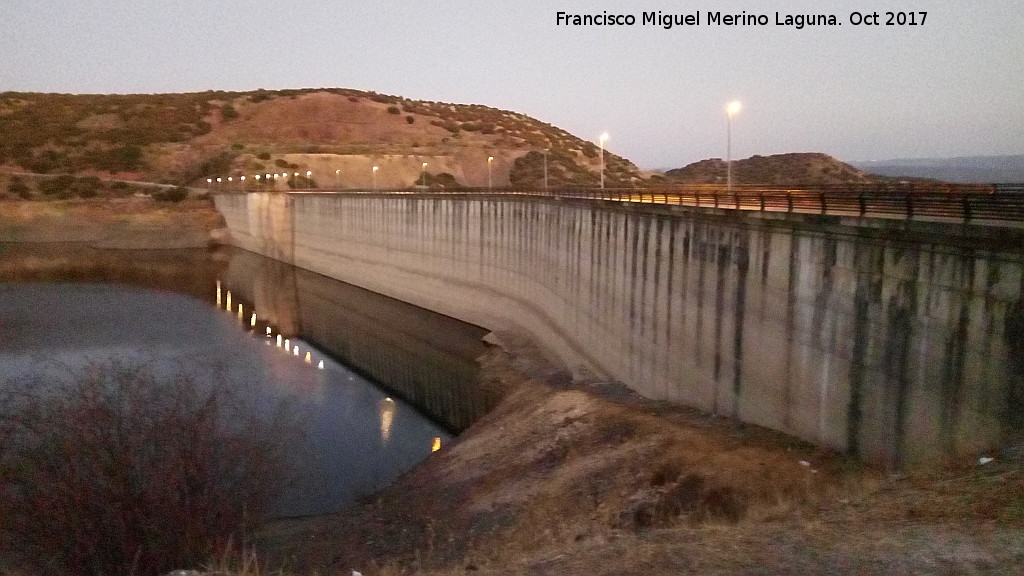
point(981, 204)
point(999, 205)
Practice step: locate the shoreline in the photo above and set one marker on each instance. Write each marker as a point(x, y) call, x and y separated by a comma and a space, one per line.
point(121, 224)
point(590, 478)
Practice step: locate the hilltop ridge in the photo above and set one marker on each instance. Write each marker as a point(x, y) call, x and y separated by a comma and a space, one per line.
point(792, 169)
point(338, 134)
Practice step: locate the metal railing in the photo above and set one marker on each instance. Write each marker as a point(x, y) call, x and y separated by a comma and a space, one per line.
point(1000, 205)
point(982, 204)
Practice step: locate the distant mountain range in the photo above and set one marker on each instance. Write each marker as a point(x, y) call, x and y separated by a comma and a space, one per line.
point(991, 169)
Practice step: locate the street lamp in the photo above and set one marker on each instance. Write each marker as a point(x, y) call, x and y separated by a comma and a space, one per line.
point(731, 110)
point(424, 174)
point(545, 169)
point(490, 181)
point(337, 178)
point(375, 168)
point(604, 137)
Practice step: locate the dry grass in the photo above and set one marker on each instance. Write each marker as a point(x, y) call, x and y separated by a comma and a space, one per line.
point(561, 481)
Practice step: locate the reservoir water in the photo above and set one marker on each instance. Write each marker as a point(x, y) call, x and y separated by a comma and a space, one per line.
point(234, 314)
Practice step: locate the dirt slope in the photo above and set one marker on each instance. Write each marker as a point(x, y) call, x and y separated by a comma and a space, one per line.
point(596, 481)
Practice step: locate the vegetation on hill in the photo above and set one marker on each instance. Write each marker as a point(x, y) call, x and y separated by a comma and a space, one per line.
point(186, 138)
point(562, 170)
point(796, 169)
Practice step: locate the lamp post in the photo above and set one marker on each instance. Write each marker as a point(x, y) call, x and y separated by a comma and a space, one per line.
point(337, 178)
point(602, 139)
point(375, 168)
point(424, 175)
point(545, 169)
point(490, 181)
point(731, 110)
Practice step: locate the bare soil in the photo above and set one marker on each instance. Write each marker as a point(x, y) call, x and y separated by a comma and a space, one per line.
point(593, 480)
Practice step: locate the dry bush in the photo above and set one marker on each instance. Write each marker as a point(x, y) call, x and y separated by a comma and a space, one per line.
point(121, 470)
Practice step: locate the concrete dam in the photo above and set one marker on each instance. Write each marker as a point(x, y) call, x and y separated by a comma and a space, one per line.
point(897, 350)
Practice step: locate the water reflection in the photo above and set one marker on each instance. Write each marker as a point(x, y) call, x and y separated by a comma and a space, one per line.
point(424, 358)
point(51, 321)
point(387, 418)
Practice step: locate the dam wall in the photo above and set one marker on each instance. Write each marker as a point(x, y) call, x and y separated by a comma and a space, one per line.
point(899, 351)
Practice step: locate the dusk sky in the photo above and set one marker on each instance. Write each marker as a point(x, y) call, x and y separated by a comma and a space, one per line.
point(953, 86)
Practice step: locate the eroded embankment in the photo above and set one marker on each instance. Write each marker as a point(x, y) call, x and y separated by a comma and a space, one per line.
point(595, 480)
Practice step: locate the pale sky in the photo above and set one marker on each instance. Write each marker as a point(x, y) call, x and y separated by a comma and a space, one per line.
point(952, 87)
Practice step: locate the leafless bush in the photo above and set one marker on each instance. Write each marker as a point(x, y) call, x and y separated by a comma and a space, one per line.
point(121, 470)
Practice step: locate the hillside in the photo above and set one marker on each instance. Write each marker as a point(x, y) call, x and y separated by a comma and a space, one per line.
point(796, 169)
point(337, 134)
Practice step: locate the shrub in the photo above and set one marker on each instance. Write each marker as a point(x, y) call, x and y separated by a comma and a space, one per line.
point(260, 96)
point(263, 155)
point(394, 110)
point(409, 119)
point(281, 163)
point(86, 187)
point(228, 112)
point(18, 188)
point(55, 186)
point(116, 470)
point(176, 194)
point(301, 182)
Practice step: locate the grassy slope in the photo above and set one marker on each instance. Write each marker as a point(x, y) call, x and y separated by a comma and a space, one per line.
point(185, 138)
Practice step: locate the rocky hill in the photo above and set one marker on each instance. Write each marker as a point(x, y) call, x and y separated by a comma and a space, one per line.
point(336, 134)
point(796, 169)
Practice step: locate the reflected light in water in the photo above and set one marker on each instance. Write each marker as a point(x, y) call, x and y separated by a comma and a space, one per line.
point(240, 313)
point(252, 321)
point(268, 330)
point(437, 444)
point(296, 350)
point(320, 365)
point(278, 339)
point(219, 302)
point(287, 345)
point(309, 358)
point(387, 417)
point(228, 306)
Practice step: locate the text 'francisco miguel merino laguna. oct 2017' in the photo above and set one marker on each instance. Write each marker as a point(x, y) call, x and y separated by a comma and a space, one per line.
point(712, 18)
